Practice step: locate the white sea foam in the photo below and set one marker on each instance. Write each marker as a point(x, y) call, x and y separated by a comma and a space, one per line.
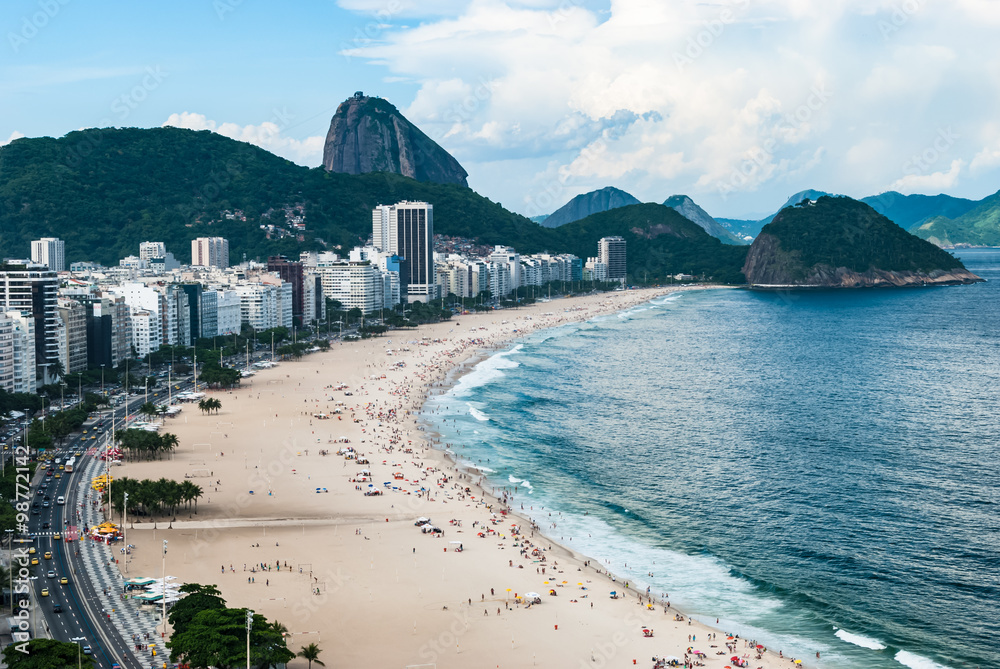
point(859, 640)
point(477, 414)
point(486, 371)
point(915, 661)
point(520, 483)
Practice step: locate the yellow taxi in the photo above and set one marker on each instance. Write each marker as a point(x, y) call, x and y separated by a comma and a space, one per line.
point(31, 551)
point(64, 581)
point(34, 561)
point(62, 467)
point(57, 475)
point(85, 432)
point(56, 536)
point(48, 555)
point(94, 437)
point(45, 592)
point(78, 453)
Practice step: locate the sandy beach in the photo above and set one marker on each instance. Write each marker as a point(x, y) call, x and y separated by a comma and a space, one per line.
point(285, 526)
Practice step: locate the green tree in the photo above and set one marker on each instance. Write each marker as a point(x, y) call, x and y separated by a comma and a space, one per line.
point(311, 653)
point(149, 410)
point(198, 598)
point(46, 654)
point(216, 637)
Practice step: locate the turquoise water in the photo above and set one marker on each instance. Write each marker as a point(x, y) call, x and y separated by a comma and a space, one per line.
point(817, 470)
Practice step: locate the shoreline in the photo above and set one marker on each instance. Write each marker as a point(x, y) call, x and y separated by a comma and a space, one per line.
point(383, 589)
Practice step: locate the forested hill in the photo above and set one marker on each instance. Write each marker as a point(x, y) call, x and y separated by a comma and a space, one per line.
point(103, 191)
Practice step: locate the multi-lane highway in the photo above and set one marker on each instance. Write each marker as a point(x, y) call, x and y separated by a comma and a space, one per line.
point(67, 603)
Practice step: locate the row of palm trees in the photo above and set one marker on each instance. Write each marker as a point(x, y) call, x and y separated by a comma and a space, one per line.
point(145, 445)
point(151, 498)
point(210, 404)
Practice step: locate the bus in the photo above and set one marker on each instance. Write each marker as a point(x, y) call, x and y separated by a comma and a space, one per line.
point(69, 464)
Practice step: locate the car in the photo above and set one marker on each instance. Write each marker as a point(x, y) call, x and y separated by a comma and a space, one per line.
point(57, 475)
point(46, 525)
point(39, 492)
point(64, 581)
point(34, 561)
point(48, 555)
point(85, 432)
point(31, 551)
point(45, 505)
point(35, 505)
point(51, 574)
point(46, 498)
point(57, 608)
point(87, 650)
point(62, 467)
point(94, 437)
point(56, 536)
point(45, 592)
point(78, 454)
point(35, 512)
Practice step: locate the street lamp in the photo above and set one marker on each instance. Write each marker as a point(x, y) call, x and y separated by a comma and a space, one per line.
point(163, 589)
point(272, 345)
point(102, 379)
point(249, 626)
point(125, 529)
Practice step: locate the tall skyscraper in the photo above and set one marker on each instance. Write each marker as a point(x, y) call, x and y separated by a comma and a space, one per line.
point(611, 252)
point(411, 236)
point(210, 252)
point(33, 288)
point(50, 252)
point(290, 271)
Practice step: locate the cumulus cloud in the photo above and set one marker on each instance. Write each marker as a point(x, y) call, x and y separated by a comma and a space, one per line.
point(14, 135)
point(735, 99)
point(935, 182)
point(267, 135)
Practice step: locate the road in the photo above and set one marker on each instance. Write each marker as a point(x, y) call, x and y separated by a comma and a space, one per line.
point(82, 619)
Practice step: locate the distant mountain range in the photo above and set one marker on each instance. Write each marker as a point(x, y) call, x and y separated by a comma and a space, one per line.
point(606, 199)
point(586, 204)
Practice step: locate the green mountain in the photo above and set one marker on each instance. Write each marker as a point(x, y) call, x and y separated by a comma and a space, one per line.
point(687, 208)
point(368, 134)
point(103, 191)
point(840, 242)
point(660, 243)
point(585, 204)
point(977, 226)
point(751, 228)
point(908, 211)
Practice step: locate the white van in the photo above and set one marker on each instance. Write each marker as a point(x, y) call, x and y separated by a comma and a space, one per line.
point(60, 500)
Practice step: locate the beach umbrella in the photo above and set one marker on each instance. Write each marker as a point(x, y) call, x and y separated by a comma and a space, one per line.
point(798, 661)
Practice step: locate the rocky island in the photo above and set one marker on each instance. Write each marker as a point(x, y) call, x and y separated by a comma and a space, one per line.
point(842, 243)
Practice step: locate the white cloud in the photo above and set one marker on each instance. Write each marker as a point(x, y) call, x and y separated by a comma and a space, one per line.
point(934, 182)
point(14, 135)
point(740, 98)
point(267, 135)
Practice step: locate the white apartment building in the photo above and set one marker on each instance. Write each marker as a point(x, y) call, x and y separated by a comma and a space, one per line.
point(150, 250)
point(6, 353)
point(210, 252)
point(23, 359)
point(258, 305)
point(28, 287)
point(146, 331)
point(505, 270)
point(354, 285)
point(51, 252)
point(380, 227)
point(229, 316)
point(74, 318)
point(595, 270)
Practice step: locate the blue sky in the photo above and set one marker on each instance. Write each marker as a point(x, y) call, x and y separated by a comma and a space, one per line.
point(737, 103)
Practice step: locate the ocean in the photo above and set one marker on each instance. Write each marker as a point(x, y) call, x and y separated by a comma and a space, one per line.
point(817, 470)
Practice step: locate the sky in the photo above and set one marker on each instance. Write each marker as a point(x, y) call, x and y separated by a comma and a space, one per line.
point(737, 104)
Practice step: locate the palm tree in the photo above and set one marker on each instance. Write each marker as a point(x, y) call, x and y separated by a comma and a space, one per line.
point(149, 410)
point(311, 654)
point(203, 406)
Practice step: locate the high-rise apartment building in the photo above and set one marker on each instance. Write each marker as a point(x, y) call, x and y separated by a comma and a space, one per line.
point(74, 318)
point(6, 353)
point(290, 271)
point(150, 250)
point(23, 338)
point(611, 252)
point(49, 251)
point(410, 235)
point(32, 288)
point(210, 252)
